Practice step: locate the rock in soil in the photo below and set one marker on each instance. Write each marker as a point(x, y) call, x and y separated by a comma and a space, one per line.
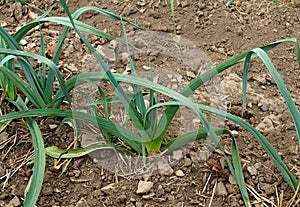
point(144, 187)
point(148, 196)
point(232, 180)
point(252, 170)
point(179, 173)
point(14, 202)
point(108, 188)
point(221, 189)
point(165, 169)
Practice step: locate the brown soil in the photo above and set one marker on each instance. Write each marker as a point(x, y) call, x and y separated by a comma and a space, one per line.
point(220, 32)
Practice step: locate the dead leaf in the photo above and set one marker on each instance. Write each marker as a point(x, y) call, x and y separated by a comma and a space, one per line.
point(50, 52)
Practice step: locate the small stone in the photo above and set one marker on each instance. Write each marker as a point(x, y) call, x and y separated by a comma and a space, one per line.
point(53, 126)
point(261, 79)
point(230, 188)
point(179, 78)
point(124, 56)
point(221, 50)
point(221, 189)
point(3, 137)
point(173, 80)
point(213, 48)
point(162, 28)
point(82, 203)
point(232, 180)
point(177, 155)
point(194, 156)
point(31, 45)
point(150, 195)
point(15, 202)
point(130, 89)
point(257, 165)
point(113, 44)
point(265, 107)
point(170, 197)
point(23, 42)
point(2, 169)
point(3, 24)
point(72, 67)
point(160, 190)
point(48, 190)
point(76, 173)
point(139, 204)
point(57, 190)
point(200, 13)
point(185, 4)
point(223, 162)
point(33, 15)
point(108, 188)
point(144, 187)
point(190, 74)
point(266, 125)
point(142, 3)
point(203, 155)
point(267, 188)
point(187, 161)
point(146, 67)
point(165, 169)
point(174, 87)
point(196, 121)
point(201, 5)
point(179, 173)
point(252, 170)
point(129, 11)
point(234, 132)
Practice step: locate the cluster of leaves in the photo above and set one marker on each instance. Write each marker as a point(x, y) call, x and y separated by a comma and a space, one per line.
point(38, 88)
